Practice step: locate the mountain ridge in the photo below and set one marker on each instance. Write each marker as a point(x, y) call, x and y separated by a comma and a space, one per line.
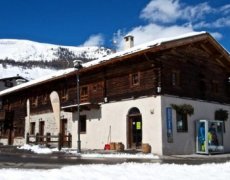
point(32, 59)
point(27, 50)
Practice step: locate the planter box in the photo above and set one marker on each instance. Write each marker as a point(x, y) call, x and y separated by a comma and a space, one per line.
point(120, 146)
point(146, 148)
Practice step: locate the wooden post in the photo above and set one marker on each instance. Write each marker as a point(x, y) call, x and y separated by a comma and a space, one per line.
point(59, 141)
point(37, 138)
point(69, 140)
point(27, 138)
point(47, 139)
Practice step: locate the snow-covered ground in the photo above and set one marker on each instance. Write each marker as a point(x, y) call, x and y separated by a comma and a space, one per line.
point(125, 171)
point(43, 150)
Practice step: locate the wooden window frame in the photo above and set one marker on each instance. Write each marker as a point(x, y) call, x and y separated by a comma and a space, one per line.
point(34, 101)
point(64, 94)
point(175, 78)
point(44, 98)
point(134, 79)
point(84, 91)
point(94, 88)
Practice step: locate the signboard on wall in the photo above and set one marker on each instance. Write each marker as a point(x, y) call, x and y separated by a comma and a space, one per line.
point(169, 124)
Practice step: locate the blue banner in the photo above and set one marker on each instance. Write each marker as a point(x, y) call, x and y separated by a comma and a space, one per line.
point(169, 124)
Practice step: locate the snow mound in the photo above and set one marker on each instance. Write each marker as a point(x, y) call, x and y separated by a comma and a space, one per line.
point(125, 171)
point(43, 150)
point(38, 149)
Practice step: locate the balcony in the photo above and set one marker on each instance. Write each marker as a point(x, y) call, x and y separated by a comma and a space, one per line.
point(83, 106)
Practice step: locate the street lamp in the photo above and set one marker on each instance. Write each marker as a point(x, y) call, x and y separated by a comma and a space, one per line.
point(78, 65)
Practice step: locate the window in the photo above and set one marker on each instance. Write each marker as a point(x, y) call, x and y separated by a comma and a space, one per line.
point(182, 122)
point(84, 91)
point(95, 88)
point(34, 101)
point(44, 99)
point(32, 128)
point(175, 78)
point(64, 94)
point(83, 124)
point(135, 79)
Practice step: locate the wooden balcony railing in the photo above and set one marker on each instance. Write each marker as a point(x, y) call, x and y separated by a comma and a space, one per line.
point(60, 140)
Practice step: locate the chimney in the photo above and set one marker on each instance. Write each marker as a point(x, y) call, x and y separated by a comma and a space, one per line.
point(129, 41)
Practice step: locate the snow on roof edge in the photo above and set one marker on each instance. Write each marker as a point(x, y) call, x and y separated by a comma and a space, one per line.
point(37, 81)
point(141, 47)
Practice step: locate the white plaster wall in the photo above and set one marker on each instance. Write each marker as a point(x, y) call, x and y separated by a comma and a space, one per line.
point(184, 142)
point(19, 141)
point(51, 126)
point(4, 141)
point(114, 115)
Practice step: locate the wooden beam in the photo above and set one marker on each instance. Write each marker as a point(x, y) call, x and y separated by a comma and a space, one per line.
point(203, 46)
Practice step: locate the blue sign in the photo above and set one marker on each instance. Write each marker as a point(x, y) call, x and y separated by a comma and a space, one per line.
point(169, 124)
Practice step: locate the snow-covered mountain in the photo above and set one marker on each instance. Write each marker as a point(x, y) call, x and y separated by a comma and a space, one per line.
point(32, 60)
point(28, 73)
point(25, 50)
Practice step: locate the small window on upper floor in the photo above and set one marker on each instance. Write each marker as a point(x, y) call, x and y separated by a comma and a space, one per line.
point(135, 79)
point(34, 101)
point(84, 91)
point(94, 88)
point(44, 98)
point(64, 94)
point(175, 81)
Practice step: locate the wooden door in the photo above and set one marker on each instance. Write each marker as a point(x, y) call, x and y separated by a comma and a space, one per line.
point(41, 130)
point(63, 130)
point(135, 131)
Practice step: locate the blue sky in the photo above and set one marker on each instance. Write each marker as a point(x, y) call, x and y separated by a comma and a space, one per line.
point(102, 22)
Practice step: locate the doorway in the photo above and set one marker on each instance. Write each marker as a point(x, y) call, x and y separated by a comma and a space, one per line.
point(63, 130)
point(134, 129)
point(41, 130)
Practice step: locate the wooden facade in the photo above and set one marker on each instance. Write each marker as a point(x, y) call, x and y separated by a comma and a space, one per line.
point(194, 67)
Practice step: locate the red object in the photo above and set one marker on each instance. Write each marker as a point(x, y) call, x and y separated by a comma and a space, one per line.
point(107, 147)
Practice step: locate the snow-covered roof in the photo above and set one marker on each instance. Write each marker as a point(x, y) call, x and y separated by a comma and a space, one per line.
point(37, 81)
point(141, 47)
point(13, 77)
point(100, 60)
